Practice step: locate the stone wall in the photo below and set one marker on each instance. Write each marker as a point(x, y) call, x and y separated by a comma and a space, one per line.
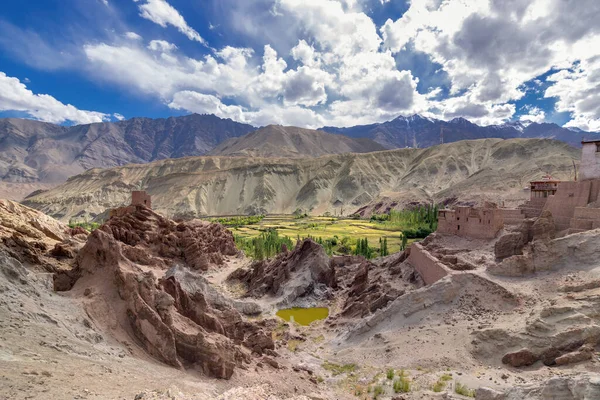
point(429, 267)
point(585, 219)
point(512, 216)
point(478, 223)
point(590, 161)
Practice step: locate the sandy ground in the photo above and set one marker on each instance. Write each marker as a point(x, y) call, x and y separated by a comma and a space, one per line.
point(49, 349)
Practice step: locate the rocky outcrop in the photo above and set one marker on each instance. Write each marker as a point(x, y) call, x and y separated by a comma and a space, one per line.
point(443, 294)
point(37, 240)
point(579, 387)
point(509, 245)
point(544, 227)
point(555, 336)
point(141, 266)
point(304, 271)
point(365, 295)
point(576, 251)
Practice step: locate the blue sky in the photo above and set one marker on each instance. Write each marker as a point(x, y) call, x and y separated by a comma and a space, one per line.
point(302, 62)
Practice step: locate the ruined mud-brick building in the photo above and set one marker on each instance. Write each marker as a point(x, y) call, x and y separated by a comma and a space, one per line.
point(540, 191)
point(575, 207)
point(141, 198)
point(138, 198)
point(477, 223)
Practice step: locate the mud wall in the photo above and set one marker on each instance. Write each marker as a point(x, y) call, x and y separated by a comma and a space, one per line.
point(569, 196)
point(585, 219)
point(512, 216)
point(429, 267)
point(478, 223)
point(590, 162)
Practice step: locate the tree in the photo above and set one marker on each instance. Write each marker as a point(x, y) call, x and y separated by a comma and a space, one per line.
point(383, 247)
point(404, 242)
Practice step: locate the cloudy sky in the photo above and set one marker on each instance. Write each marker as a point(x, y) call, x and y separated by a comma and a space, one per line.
point(302, 62)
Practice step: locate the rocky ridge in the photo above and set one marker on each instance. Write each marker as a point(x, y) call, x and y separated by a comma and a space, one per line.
point(289, 141)
point(147, 263)
point(469, 171)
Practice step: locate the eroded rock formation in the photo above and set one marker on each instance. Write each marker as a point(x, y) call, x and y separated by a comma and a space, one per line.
point(301, 272)
point(141, 266)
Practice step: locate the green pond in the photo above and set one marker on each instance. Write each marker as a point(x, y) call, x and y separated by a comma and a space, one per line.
point(303, 316)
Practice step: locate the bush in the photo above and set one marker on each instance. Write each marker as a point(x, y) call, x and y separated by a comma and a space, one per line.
point(402, 385)
point(337, 369)
point(378, 391)
point(438, 386)
point(418, 233)
point(390, 374)
point(463, 390)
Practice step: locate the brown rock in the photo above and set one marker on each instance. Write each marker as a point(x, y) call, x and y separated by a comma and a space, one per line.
point(176, 318)
point(290, 275)
point(271, 362)
point(62, 250)
point(575, 357)
point(521, 358)
point(509, 245)
point(543, 227)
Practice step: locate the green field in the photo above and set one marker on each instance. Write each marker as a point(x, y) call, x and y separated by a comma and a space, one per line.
point(325, 228)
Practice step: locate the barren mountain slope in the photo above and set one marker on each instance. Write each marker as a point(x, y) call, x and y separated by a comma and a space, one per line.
point(290, 141)
point(491, 169)
point(33, 152)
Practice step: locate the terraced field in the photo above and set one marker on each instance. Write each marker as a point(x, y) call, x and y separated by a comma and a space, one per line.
point(325, 228)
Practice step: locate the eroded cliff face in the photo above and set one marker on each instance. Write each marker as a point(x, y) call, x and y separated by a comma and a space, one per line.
point(141, 273)
point(478, 170)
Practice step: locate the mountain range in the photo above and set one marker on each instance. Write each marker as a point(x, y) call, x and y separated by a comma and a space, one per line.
point(418, 131)
point(468, 171)
point(290, 141)
point(37, 155)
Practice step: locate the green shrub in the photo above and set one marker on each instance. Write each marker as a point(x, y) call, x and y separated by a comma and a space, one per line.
point(446, 377)
point(378, 391)
point(463, 390)
point(337, 369)
point(438, 386)
point(390, 374)
point(402, 385)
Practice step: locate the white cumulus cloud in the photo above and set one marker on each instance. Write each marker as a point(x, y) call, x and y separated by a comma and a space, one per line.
point(14, 96)
point(162, 13)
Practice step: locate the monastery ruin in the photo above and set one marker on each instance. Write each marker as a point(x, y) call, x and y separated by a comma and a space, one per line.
point(573, 207)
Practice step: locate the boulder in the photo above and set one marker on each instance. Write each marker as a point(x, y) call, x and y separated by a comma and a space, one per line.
point(521, 358)
point(485, 393)
point(576, 356)
point(509, 245)
point(513, 266)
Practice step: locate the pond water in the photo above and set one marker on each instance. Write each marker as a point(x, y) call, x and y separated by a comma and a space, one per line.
point(303, 316)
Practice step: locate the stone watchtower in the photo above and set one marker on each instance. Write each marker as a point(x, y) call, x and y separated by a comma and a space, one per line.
point(141, 198)
point(590, 160)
